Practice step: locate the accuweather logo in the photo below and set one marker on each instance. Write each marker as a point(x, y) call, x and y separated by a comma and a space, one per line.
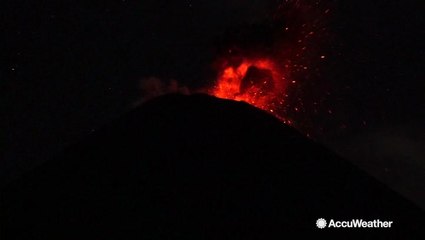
point(321, 223)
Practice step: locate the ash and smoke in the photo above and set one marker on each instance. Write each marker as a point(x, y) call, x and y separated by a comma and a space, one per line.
point(154, 87)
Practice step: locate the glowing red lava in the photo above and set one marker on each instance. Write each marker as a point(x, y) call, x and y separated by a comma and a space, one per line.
point(278, 69)
point(259, 82)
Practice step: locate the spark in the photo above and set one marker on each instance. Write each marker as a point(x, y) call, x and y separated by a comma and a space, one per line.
point(268, 79)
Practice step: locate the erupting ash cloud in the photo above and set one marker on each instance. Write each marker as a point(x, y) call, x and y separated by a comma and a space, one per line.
point(251, 80)
point(271, 65)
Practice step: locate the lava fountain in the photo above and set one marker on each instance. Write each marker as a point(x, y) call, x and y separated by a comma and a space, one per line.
point(268, 68)
point(257, 81)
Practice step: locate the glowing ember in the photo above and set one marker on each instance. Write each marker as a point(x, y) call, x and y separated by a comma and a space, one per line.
point(269, 74)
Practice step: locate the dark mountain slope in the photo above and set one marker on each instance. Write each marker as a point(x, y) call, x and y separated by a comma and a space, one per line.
point(195, 166)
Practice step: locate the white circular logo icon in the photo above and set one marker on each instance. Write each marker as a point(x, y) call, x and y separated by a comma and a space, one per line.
point(321, 223)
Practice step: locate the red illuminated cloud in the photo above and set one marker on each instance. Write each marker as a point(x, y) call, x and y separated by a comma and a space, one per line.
point(269, 68)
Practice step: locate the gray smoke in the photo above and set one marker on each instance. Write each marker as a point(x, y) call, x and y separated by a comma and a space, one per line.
point(153, 87)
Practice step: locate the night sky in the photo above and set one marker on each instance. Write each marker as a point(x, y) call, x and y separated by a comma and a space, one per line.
point(69, 67)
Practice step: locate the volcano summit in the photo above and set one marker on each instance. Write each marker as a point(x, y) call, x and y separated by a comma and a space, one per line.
point(182, 167)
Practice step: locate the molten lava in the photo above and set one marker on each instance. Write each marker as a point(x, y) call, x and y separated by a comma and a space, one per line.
point(275, 66)
point(259, 82)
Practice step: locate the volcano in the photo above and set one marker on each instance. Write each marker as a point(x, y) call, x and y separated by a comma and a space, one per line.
point(196, 166)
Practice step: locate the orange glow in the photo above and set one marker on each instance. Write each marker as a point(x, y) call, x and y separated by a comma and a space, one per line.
point(281, 74)
point(264, 88)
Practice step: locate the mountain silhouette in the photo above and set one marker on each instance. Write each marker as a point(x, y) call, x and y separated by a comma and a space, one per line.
point(180, 167)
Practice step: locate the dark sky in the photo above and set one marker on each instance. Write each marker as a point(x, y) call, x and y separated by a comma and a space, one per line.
point(73, 65)
point(70, 66)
